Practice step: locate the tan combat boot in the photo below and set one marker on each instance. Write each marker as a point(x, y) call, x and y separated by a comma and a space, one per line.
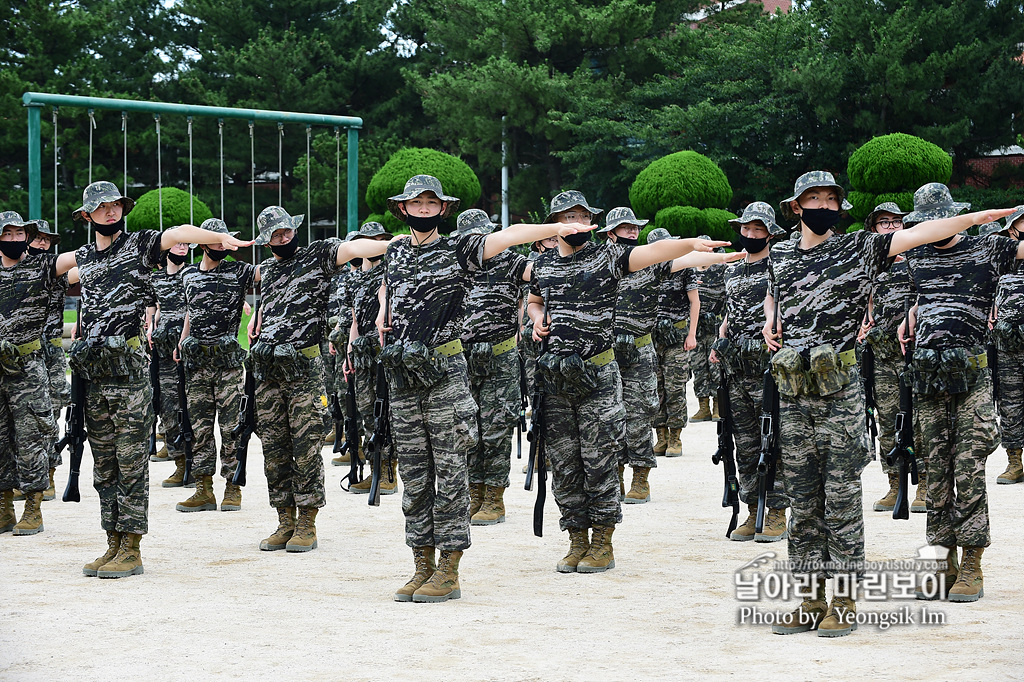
point(662, 444)
point(970, 585)
point(807, 616)
point(888, 501)
point(774, 527)
point(599, 557)
point(32, 517)
point(285, 529)
point(386, 487)
point(579, 545)
point(18, 496)
point(444, 583)
point(943, 578)
point(622, 482)
point(840, 619)
point(8, 518)
point(342, 460)
point(160, 455)
point(51, 491)
point(715, 416)
point(128, 560)
point(1014, 472)
point(639, 489)
point(329, 438)
point(177, 479)
point(424, 558)
point(675, 446)
point(476, 498)
point(232, 500)
point(202, 499)
point(304, 537)
point(745, 532)
point(492, 511)
point(920, 503)
point(703, 414)
point(113, 543)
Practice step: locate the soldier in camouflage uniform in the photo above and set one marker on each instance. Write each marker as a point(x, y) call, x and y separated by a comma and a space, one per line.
point(711, 284)
point(744, 357)
point(1008, 333)
point(675, 335)
point(111, 356)
point(824, 280)
point(529, 349)
point(26, 413)
point(955, 279)
point(214, 291)
point(341, 305)
point(572, 297)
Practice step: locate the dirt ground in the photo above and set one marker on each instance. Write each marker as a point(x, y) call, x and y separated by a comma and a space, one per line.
point(211, 605)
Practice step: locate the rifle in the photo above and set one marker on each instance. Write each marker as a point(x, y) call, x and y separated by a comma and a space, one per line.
point(350, 425)
point(901, 454)
point(154, 380)
point(536, 438)
point(992, 350)
point(768, 460)
point(246, 416)
point(725, 454)
point(74, 429)
point(867, 365)
point(184, 439)
point(381, 437)
point(524, 393)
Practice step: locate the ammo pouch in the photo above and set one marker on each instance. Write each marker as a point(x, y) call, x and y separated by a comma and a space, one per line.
point(788, 370)
point(364, 352)
point(111, 356)
point(823, 374)
point(728, 355)
point(626, 352)
point(571, 377)
point(281, 362)
point(10, 359)
point(413, 365)
point(667, 334)
point(827, 374)
point(225, 354)
point(338, 337)
point(480, 360)
point(884, 343)
point(953, 371)
point(708, 324)
point(1008, 337)
point(165, 341)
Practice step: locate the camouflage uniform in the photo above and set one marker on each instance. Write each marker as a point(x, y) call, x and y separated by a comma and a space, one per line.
point(1009, 338)
point(364, 302)
point(673, 365)
point(170, 296)
point(55, 359)
point(711, 283)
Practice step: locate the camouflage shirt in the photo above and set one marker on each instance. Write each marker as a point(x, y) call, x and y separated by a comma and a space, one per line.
point(712, 290)
point(215, 299)
point(295, 293)
point(24, 298)
point(1010, 299)
point(636, 308)
point(746, 286)
point(341, 302)
point(170, 296)
point(493, 302)
point(116, 283)
point(428, 285)
point(824, 290)
point(956, 288)
point(55, 321)
point(673, 299)
point(580, 291)
point(893, 291)
point(364, 287)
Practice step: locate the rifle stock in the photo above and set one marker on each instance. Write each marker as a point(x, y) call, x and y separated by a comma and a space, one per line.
point(726, 452)
point(767, 461)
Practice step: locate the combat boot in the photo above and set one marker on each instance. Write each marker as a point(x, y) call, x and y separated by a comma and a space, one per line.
point(920, 503)
point(232, 500)
point(304, 537)
point(970, 585)
point(599, 557)
point(113, 543)
point(476, 498)
point(622, 482)
point(1014, 472)
point(807, 615)
point(944, 579)
point(8, 518)
point(389, 483)
point(285, 529)
point(840, 619)
point(160, 455)
point(202, 499)
point(675, 446)
point(177, 479)
point(639, 489)
point(492, 511)
point(128, 560)
point(888, 501)
point(703, 414)
point(443, 584)
point(32, 517)
point(579, 545)
point(715, 416)
point(774, 527)
point(424, 559)
point(50, 492)
point(329, 438)
point(662, 444)
point(18, 496)
point(745, 532)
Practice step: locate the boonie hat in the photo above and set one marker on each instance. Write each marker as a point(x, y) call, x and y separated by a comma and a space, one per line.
point(806, 182)
point(100, 193)
point(417, 185)
point(275, 218)
point(758, 211)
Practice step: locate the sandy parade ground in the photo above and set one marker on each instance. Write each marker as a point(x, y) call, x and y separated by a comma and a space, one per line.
point(212, 606)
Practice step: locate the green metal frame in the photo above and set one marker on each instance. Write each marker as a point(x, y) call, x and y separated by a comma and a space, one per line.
point(35, 101)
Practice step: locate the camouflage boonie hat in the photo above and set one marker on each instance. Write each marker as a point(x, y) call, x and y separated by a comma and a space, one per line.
point(275, 218)
point(806, 182)
point(417, 185)
point(367, 230)
point(758, 211)
point(14, 218)
point(621, 215)
point(931, 202)
point(659, 233)
point(993, 228)
point(887, 207)
point(474, 221)
point(43, 228)
point(1014, 217)
point(100, 193)
point(563, 201)
point(217, 225)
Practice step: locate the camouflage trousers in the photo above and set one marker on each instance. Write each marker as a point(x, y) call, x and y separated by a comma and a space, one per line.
point(582, 438)
point(958, 433)
point(213, 394)
point(673, 369)
point(745, 391)
point(824, 450)
point(640, 399)
point(60, 391)
point(291, 417)
point(1011, 399)
point(333, 380)
point(498, 401)
point(705, 377)
point(26, 427)
point(434, 431)
point(118, 419)
point(366, 395)
point(887, 401)
point(169, 404)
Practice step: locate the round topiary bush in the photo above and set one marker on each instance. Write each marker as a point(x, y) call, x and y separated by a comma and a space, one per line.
point(894, 165)
point(146, 214)
point(679, 179)
point(457, 179)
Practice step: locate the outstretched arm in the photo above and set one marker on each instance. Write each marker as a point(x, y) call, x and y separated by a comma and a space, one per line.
point(496, 242)
point(669, 249)
point(190, 234)
point(936, 230)
point(361, 248)
point(699, 259)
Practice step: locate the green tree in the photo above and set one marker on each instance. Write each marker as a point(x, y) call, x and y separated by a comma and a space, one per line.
point(685, 193)
point(891, 168)
point(176, 208)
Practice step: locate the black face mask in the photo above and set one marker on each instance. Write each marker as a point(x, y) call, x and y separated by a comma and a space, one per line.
point(285, 250)
point(111, 229)
point(216, 254)
point(177, 258)
point(626, 242)
point(752, 245)
point(944, 242)
point(13, 250)
point(357, 262)
point(35, 250)
point(577, 239)
point(820, 220)
point(426, 225)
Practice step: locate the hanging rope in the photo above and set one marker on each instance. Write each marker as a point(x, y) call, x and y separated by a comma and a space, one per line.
point(55, 170)
point(92, 126)
point(124, 131)
point(159, 175)
point(309, 189)
point(220, 134)
point(252, 185)
point(191, 199)
point(280, 150)
point(337, 182)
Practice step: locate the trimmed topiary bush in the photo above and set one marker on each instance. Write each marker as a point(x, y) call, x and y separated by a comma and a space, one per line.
point(894, 166)
point(145, 215)
point(679, 179)
point(718, 225)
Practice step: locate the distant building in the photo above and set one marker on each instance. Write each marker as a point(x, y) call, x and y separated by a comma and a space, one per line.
point(713, 8)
